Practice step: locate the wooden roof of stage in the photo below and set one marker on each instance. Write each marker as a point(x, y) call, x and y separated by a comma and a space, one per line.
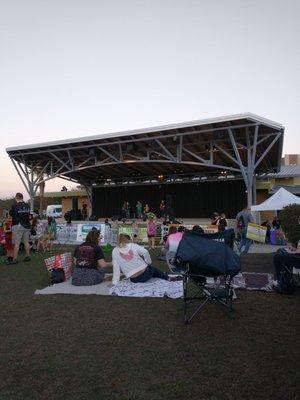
point(237, 145)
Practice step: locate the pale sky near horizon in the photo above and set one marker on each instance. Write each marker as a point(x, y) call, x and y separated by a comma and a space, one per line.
point(71, 68)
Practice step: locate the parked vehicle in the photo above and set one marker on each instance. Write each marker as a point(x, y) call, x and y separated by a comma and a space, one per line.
point(54, 211)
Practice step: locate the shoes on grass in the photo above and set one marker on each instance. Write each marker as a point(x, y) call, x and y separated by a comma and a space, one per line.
point(12, 262)
point(26, 259)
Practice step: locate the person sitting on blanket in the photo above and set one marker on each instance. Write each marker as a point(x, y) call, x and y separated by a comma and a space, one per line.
point(89, 261)
point(134, 262)
point(284, 258)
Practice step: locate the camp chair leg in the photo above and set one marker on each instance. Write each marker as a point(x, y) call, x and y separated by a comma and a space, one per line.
point(198, 309)
point(185, 283)
point(226, 307)
point(208, 295)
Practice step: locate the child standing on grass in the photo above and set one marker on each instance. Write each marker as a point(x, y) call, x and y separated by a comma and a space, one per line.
point(8, 239)
point(151, 230)
point(49, 235)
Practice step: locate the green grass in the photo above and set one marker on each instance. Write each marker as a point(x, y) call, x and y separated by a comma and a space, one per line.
point(100, 347)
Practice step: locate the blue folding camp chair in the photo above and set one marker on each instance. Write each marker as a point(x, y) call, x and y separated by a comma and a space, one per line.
point(200, 257)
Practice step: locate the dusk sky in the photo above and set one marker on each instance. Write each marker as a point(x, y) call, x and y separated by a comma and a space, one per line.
point(72, 68)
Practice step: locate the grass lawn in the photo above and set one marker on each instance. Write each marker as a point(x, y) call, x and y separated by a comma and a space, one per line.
point(100, 347)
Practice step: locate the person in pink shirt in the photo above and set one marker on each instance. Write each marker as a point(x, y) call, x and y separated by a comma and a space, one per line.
point(151, 231)
point(172, 244)
point(174, 239)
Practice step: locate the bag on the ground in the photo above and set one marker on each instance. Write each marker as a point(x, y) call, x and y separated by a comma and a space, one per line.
point(64, 261)
point(57, 276)
point(286, 284)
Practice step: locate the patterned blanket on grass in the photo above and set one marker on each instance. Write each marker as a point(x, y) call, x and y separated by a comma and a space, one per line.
point(159, 288)
point(249, 281)
point(153, 288)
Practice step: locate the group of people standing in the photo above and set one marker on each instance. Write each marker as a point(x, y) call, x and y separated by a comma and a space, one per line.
point(141, 211)
point(21, 227)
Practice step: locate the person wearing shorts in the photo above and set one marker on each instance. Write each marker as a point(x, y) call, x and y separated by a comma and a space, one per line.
point(20, 213)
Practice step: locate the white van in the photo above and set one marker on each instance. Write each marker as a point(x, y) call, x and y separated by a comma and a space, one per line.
point(54, 211)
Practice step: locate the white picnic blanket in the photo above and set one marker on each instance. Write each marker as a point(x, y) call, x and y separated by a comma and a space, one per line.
point(67, 288)
point(155, 287)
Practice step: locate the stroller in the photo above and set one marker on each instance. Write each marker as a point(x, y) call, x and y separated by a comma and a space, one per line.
point(202, 256)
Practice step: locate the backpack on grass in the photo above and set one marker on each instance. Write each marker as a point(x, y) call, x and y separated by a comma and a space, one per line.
point(286, 283)
point(57, 276)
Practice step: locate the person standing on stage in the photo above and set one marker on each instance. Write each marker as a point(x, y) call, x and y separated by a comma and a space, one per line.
point(162, 208)
point(146, 209)
point(124, 210)
point(138, 210)
point(127, 210)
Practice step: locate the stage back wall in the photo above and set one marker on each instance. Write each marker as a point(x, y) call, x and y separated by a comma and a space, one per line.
point(189, 200)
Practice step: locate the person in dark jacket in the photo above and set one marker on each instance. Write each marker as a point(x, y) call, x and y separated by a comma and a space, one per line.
point(276, 223)
point(20, 213)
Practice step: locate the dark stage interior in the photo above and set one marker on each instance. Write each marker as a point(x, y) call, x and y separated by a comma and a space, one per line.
point(188, 200)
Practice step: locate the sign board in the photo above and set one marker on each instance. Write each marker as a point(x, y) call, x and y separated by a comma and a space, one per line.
point(84, 229)
point(256, 232)
point(131, 230)
point(66, 233)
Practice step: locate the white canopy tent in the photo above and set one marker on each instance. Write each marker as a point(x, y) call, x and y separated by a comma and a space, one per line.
point(280, 199)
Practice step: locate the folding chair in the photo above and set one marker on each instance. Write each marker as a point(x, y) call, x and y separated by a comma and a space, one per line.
point(199, 258)
point(288, 278)
point(296, 266)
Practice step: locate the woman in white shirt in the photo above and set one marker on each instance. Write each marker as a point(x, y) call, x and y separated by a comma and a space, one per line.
point(134, 262)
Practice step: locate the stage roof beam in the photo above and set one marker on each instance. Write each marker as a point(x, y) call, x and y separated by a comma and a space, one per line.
point(242, 144)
